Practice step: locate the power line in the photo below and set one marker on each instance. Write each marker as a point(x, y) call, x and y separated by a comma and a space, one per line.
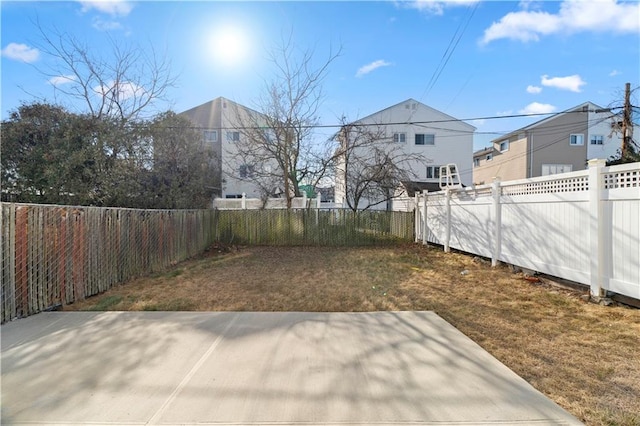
point(448, 53)
point(396, 123)
point(541, 147)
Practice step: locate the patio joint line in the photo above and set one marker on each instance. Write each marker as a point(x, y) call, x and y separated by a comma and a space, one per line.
point(154, 419)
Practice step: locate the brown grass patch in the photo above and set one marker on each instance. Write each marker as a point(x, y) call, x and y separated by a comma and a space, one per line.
point(584, 356)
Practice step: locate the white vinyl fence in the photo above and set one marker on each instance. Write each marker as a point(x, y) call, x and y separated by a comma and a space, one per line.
point(582, 226)
point(399, 204)
point(245, 203)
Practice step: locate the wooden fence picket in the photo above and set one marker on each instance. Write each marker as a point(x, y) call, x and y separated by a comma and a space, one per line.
point(53, 255)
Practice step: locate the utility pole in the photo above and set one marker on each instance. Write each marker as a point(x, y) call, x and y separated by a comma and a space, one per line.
point(627, 126)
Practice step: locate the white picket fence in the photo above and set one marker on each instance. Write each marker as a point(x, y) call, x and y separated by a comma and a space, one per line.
point(245, 203)
point(400, 204)
point(582, 226)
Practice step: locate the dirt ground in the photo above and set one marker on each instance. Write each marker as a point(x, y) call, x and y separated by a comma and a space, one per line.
point(584, 356)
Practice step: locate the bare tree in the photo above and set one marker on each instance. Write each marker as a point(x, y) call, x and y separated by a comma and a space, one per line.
point(370, 167)
point(121, 83)
point(277, 145)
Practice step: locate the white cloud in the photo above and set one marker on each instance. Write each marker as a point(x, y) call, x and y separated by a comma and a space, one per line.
point(504, 113)
point(571, 82)
point(103, 25)
point(62, 79)
point(574, 16)
point(126, 90)
point(614, 73)
point(366, 69)
point(529, 4)
point(110, 7)
point(537, 108)
point(534, 89)
point(436, 7)
point(21, 52)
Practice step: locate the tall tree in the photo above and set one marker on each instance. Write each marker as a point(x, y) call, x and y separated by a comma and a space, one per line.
point(370, 169)
point(183, 171)
point(48, 155)
point(124, 82)
point(277, 143)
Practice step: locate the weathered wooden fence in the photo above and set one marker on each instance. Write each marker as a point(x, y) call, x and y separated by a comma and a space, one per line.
point(335, 227)
point(55, 255)
point(582, 226)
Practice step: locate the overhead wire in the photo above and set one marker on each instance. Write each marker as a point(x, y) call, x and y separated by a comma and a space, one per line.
point(562, 138)
point(395, 123)
point(449, 51)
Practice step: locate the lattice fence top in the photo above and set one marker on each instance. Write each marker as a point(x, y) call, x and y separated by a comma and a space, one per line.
point(622, 179)
point(573, 184)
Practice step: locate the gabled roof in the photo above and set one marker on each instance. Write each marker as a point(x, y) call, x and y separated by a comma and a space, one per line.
point(445, 117)
point(484, 151)
point(585, 106)
point(209, 114)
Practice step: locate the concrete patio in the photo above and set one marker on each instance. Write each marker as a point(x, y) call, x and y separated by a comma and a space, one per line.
point(242, 368)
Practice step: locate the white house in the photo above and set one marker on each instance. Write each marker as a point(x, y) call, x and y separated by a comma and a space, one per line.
point(416, 129)
point(222, 123)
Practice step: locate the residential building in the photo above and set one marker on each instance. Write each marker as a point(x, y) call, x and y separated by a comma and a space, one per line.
point(561, 143)
point(431, 137)
point(223, 123)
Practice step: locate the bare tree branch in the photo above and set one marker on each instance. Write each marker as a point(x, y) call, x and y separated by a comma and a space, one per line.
point(122, 83)
point(281, 135)
point(370, 167)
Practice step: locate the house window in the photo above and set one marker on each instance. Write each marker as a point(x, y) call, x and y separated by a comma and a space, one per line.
point(233, 136)
point(246, 171)
point(504, 146)
point(576, 139)
point(596, 140)
point(489, 157)
point(552, 169)
point(425, 139)
point(399, 137)
point(433, 172)
point(210, 135)
point(476, 162)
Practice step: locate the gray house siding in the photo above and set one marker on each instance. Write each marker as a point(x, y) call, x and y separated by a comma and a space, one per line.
point(549, 143)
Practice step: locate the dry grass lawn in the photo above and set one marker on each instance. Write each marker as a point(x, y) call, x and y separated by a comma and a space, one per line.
point(584, 356)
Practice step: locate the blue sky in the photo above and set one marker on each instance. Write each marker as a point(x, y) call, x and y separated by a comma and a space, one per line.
point(469, 59)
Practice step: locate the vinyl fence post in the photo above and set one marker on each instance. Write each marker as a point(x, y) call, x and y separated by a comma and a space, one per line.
point(497, 223)
point(447, 235)
point(596, 228)
point(304, 199)
point(425, 228)
point(243, 202)
point(416, 217)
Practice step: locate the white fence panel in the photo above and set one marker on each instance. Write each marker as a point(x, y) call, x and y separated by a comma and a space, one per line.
point(257, 204)
point(621, 205)
point(436, 219)
point(472, 223)
point(547, 236)
point(582, 226)
point(403, 204)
